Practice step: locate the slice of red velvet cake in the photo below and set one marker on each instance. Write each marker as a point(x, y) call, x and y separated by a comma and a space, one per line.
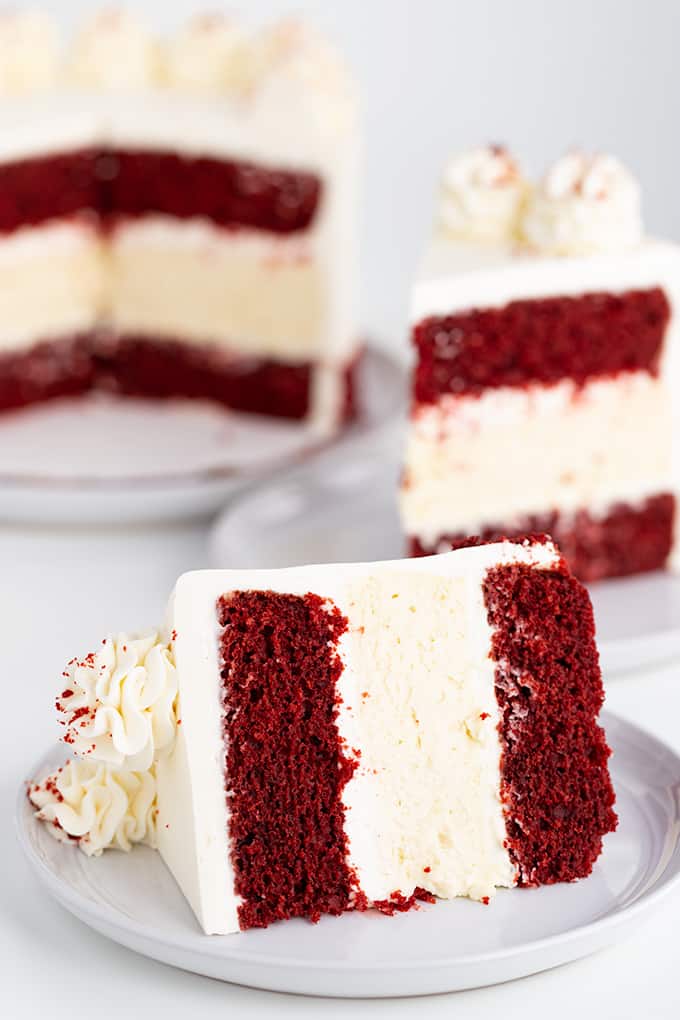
point(177, 218)
point(354, 735)
point(545, 330)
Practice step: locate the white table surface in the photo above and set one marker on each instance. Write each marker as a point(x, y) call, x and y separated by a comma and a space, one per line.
point(60, 592)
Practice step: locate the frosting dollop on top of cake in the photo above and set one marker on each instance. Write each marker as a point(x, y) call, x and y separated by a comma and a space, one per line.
point(119, 704)
point(482, 195)
point(293, 63)
point(210, 54)
point(114, 51)
point(585, 204)
point(96, 806)
point(29, 52)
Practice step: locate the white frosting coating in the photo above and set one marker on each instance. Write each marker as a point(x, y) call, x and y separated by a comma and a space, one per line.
point(114, 50)
point(454, 277)
point(119, 704)
point(584, 204)
point(210, 90)
point(193, 820)
point(29, 52)
point(482, 194)
point(96, 806)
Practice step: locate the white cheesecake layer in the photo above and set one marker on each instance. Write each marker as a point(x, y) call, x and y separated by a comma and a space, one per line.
point(494, 459)
point(423, 807)
point(51, 283)
point(243, 290)
point(415, 684)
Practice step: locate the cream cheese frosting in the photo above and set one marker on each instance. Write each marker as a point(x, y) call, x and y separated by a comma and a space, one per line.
point(97, 806)
point(119, 704)
point(585, 204)
point(482, 194)
point(29, 51)
point(114, 50)
point(210, 54)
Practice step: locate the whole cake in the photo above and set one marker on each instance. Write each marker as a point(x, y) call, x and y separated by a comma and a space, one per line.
point(177, 218)
point(331, 738)
point(545, 329)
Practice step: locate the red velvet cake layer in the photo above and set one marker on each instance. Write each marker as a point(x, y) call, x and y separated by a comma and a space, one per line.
point(539, 341)
point(555, 786)
point(279, 669)
point(628, 540)
point(33, 191)
point(59, 368)
point(144, 367)
point(231, 194)
point(130, 184)
point(161, 369)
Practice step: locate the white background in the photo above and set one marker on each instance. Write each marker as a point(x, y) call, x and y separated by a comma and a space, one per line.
point(436, 76)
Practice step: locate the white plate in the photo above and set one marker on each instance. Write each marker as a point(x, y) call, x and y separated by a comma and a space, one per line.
point(444, 947)
point(99, 459)
point(346, 510)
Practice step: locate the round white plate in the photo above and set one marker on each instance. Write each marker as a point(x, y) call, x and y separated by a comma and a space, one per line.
point(99, 459)
point(443, 947)
point(348, 512)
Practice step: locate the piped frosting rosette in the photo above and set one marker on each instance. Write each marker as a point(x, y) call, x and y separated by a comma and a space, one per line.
point(584, 204)
point(118, 707)
point(482, 194)
point(97, 807)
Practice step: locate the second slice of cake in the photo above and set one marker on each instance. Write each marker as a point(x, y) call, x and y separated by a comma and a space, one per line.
point(545, 327)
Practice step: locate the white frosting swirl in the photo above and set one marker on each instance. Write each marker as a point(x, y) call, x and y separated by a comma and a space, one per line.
point(119, 704)
point(211, 53)
point(97, 807)
point(482, 194)
point(585, 204)
point(29, 50)
point(114, 51)
point(295, 64)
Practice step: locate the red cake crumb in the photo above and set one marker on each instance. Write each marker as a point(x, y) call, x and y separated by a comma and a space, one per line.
point(123, 183)
point(628, 540)
point(539, 341)
point(398, 903)
point(279, 673)
point(555, 786)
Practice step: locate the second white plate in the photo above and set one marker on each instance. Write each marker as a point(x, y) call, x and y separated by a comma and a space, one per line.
point(348, 512)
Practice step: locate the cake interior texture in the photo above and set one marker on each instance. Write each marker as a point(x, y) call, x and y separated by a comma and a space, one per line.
point(280, 669)
point(418, 734)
